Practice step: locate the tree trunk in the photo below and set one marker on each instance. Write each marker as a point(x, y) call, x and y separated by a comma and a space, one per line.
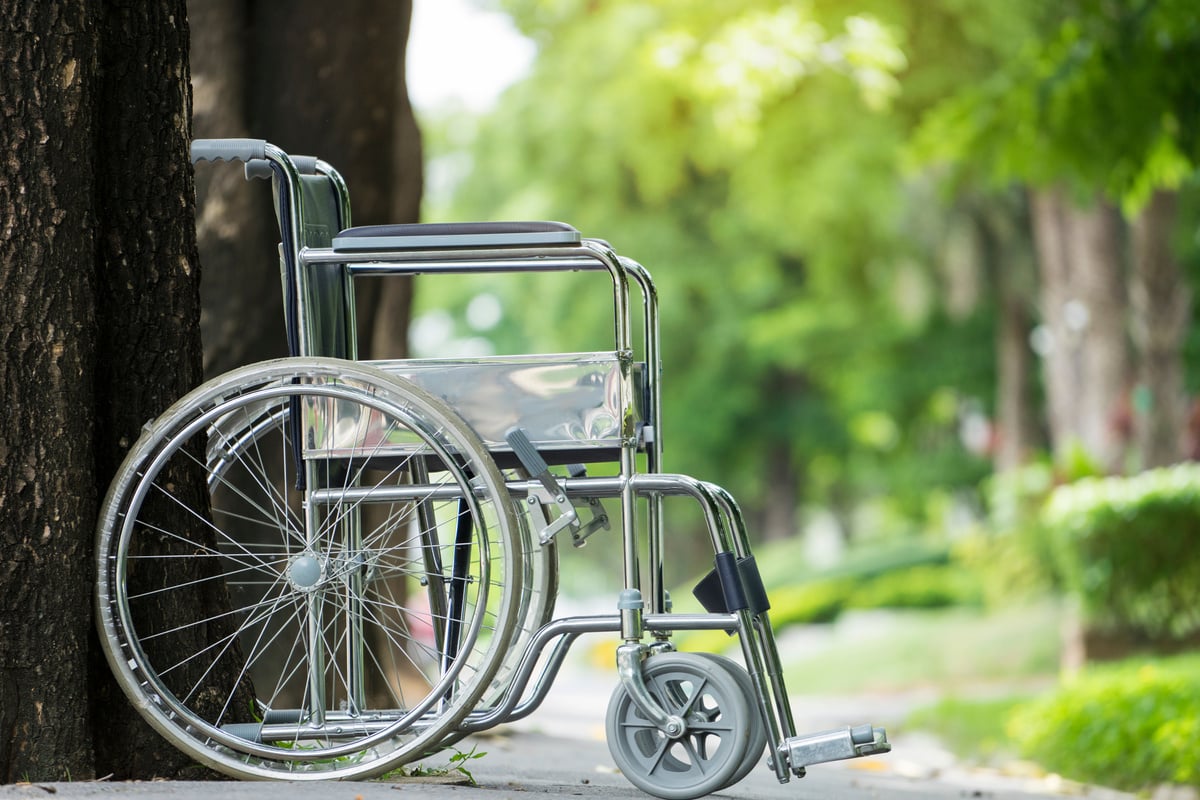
point(1083, 305)
point(1160, 300)
point(782, 470)
point(148, 310)
point(277, 70)
point(241, 317)
point(100, 334)
point(1015, 414)
point(48, 67)
point(338, 92)
point(781, 499)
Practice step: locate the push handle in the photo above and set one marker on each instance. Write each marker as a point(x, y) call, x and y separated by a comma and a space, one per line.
point(305, 165)
point(258, 169)
point(228, 149)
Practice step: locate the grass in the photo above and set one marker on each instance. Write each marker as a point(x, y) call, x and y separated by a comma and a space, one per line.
point(455, 768)
point(973, 729)
point(950, 649)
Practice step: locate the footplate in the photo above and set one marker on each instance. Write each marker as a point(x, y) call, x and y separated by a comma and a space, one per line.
point(834, 745)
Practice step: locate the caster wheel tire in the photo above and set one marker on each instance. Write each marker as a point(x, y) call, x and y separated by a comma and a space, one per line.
point(758, 730)
point(713, 748)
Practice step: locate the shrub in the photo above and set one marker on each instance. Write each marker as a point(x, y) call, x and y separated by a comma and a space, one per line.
point(1010, 552)
point(921, 586)
point(1129, 548)
point(1128, 726)
point(816, 601)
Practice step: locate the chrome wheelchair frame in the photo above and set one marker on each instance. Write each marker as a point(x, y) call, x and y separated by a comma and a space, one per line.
point(397, 522)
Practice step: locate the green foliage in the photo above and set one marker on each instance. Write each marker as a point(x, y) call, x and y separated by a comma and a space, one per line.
point(1121, 67)
point(925, 586)
point(910, 575)
point(1130, 726)
point(1130, 549)
point(808, 603)
point(781, 563)
point(1010, 553)
point(455, 766)
point(750, 155)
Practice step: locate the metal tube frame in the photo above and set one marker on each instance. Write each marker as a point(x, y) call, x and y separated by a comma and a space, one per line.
point(589, 255)
point(727, 532)
point(725, 523)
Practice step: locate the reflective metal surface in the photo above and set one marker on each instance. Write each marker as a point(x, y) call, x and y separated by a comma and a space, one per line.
point(562, 401)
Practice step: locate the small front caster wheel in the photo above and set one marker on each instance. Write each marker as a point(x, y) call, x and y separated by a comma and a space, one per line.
point(758, 729)
point(711, 751)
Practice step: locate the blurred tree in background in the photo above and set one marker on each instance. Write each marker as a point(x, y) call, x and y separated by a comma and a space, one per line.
point(829, 317)
point(280, 71)
point(867, 221)
point(1098, 113)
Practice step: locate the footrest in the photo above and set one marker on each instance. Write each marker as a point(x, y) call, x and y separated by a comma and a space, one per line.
point(835, 745)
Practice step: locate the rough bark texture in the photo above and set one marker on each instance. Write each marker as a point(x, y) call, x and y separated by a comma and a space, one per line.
point(48, 68)
point(1088, 368)
point(100, 333)
point(1160, 302)
point(279, 71)
point(148, 302)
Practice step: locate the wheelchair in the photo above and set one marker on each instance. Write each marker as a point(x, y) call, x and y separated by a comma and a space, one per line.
point(325, 568)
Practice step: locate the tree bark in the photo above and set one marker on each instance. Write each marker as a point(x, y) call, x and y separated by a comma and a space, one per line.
point(148, 309)
point(1160, 302)
point(241, 317)
point(339, 92)
point(100, 333)
point(49, 70)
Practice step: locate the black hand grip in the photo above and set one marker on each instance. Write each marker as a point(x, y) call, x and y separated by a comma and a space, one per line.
point(228, 149)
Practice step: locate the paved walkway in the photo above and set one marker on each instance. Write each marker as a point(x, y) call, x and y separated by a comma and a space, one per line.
point(525, 764)
point(560, 752)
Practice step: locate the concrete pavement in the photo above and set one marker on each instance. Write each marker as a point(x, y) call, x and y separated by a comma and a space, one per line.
point(559, 752)
point(527, 764)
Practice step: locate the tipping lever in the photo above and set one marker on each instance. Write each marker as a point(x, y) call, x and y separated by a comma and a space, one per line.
point(551, 491)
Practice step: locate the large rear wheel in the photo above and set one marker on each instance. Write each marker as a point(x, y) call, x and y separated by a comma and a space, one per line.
point(307, 569)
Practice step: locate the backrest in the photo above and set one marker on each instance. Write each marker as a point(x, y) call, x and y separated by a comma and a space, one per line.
point(330, 291)
point(328, 327)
